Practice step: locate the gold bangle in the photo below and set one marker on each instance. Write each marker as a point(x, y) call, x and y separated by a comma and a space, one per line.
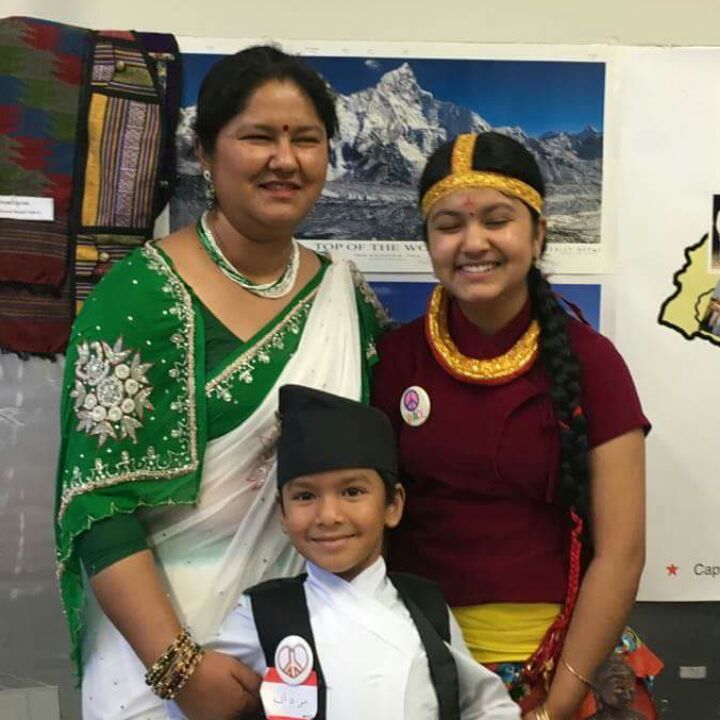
point(169, 673)
point(542, 713)
point(167, 659)
point(168, 690)
point(574, 672)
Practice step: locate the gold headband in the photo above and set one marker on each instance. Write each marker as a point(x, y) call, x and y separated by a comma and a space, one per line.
point(463, 177)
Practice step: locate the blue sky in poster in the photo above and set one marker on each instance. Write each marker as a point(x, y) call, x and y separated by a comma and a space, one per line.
point(407, 300)
point(194, 68)
point(531, 94)
point(539, 96)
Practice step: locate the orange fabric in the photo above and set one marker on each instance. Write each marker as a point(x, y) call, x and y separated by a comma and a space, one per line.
point(644, 662)
point(643, 703)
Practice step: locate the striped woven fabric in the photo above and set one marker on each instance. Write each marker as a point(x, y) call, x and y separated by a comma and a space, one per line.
point(129, 167)
point(95, 255)
point(119, 92)
point(33, 323)
point(121, 68)
point(32, 247)
point(41, 70)
point(122, 162)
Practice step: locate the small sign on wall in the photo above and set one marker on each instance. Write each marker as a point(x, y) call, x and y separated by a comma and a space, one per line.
point(19, 207)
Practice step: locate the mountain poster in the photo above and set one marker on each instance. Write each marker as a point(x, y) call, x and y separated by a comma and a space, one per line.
point(393, 113)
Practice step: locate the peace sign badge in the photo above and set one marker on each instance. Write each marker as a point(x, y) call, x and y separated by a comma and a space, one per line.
point(289, 690)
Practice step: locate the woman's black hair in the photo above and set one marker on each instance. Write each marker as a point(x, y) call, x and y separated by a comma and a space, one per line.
point(498, 153)
point(228, 85)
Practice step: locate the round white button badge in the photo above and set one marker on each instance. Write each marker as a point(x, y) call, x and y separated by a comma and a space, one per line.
point(415, 406)
point(294, 660)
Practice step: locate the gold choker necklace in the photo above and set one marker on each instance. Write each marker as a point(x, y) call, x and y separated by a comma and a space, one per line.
point(492, 371)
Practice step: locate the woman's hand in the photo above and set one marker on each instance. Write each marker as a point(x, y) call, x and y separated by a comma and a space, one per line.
point(221, 688)
point(544, 713)
point(532, 715)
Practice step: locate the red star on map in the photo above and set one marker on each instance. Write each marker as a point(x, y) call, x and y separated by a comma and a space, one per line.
point(672, 569)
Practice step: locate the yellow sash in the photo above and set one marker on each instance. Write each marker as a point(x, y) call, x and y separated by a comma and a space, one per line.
point(505, 632)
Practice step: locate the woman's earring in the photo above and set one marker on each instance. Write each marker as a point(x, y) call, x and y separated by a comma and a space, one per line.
point(209, 189)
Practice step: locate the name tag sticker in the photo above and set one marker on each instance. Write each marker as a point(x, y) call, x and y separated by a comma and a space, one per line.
point(19, 207)
point(288, 702)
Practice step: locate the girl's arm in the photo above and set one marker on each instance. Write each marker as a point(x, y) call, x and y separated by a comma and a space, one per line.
point(607, 593)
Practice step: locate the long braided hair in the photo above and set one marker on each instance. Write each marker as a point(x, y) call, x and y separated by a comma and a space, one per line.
point(562, 366)
point(498, 153)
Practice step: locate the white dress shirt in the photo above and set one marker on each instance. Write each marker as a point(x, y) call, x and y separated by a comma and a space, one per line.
point(374, 663)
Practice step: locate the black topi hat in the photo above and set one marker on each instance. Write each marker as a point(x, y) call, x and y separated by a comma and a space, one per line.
point(320, 432)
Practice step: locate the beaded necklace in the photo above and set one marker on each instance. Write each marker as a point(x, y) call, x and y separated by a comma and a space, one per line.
point(274, 289)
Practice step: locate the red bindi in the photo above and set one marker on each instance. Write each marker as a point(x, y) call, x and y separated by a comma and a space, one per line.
point(468, 203)
point(286, 128)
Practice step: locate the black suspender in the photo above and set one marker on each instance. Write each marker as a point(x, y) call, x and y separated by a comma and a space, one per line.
point(280, 609)
point(428, 610)
point(427, 596)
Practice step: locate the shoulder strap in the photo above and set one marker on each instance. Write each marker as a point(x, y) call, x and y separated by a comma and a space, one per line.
point(280, 609)
point(429, 612)
point(427, 596)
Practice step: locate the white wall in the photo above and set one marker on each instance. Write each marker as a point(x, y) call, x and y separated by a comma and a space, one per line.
point(625, 22)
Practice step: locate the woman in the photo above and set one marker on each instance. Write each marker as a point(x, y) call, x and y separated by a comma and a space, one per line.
point(166, 490)
point(521, 438)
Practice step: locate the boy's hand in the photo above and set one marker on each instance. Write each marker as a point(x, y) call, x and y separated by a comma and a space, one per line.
point(221, 688)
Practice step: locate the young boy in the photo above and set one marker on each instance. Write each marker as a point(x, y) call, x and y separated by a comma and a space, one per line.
point(347, 641)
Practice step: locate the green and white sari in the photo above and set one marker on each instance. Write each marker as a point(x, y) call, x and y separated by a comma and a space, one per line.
point(146, 430)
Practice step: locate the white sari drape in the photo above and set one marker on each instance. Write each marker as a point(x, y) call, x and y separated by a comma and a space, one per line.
point(231, 539)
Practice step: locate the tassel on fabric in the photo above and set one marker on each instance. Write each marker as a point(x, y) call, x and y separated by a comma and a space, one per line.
point(543, 662)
